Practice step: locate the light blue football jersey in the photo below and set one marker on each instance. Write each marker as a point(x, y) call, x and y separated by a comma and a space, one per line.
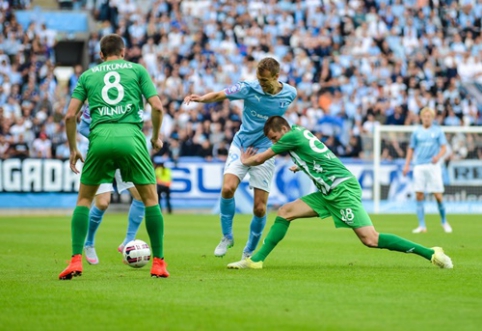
point(258, 107)
point(426, 143)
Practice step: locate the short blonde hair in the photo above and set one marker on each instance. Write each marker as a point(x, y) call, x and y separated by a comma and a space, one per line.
point(429, 110)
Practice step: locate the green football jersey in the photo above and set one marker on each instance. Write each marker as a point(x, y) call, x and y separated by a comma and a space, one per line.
point(313, 158)
point(114, 90)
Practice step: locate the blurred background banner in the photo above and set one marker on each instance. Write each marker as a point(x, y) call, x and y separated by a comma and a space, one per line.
point(196, 184)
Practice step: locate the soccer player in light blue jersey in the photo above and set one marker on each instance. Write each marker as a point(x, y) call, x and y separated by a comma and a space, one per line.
point(263, 98)
point(429, 145)
point(102, 201)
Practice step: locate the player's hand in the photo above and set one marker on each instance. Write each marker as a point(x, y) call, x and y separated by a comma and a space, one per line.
point(435, 159)
point(156, 144)
point(74, 157)
point(405, 170)
point(246, 154)
point(294, 168)
point(193, 98)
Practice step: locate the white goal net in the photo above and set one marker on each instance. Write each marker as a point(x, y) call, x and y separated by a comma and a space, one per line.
point(462, 171)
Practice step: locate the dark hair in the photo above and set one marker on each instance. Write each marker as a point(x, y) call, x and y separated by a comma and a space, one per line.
point(269, 64)
point(111, 44)
point(275, 123)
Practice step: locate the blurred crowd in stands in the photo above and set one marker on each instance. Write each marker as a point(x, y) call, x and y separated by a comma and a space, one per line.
point(356, 64)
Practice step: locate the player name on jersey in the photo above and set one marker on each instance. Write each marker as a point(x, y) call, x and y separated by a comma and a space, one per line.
point(113, 66)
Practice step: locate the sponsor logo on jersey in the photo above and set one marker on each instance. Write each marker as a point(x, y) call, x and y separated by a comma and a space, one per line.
point(255, 114)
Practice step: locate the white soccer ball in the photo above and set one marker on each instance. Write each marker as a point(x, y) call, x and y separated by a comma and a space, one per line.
point(136, 253)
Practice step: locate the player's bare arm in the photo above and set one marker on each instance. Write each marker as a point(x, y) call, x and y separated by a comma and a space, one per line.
point(443, 150)
point(250, 158)
point(157, 114)
point(71, 127)
point(206, 98)
point(406, 168)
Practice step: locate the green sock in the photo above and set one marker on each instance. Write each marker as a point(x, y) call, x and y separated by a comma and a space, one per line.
point(79, 226)
point(155, 229)
point(396, 243)
point(276, 233)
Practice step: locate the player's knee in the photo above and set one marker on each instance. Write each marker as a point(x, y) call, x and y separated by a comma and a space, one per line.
point(259, 210)
point(228, 191)
point(102, 204)
point(286, 212)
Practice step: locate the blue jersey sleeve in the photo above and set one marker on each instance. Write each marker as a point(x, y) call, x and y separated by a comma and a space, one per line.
point(238, 91)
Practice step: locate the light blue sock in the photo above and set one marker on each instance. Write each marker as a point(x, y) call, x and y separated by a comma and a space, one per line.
point(228, 209)
point(441, 210)
point(95, 217)
point(255, 232)
point(420, 214)
point(136, 215)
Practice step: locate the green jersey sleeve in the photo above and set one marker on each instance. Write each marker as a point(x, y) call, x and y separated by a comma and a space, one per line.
point(287, 143)
point(80, 92)
point(147, 86)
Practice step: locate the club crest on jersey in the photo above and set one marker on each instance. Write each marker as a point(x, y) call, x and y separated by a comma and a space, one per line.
point(284, 104)
point(233, 89)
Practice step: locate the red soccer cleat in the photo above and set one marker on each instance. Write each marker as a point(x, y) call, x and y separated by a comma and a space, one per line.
point(159, 268)
point(74, 269)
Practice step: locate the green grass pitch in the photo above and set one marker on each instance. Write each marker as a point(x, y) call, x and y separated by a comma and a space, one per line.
point(318, 278)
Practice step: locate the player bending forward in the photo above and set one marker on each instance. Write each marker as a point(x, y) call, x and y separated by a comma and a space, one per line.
point(339, 196)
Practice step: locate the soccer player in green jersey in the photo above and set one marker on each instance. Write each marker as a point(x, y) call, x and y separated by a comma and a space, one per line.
point(114, 90)
point(338, 196)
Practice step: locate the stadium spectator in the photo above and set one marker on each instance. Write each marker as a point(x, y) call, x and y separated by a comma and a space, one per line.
point(42, 147)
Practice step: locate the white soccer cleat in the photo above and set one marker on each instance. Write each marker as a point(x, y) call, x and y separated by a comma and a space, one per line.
point(447, 228)
point(440, 259)
point(223, 246)
point(91, 255)
point(419, 230)
point(246, 264)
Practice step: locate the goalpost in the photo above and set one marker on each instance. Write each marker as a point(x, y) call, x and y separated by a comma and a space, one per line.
point(462, 169)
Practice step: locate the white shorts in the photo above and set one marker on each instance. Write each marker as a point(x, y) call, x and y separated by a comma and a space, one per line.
point(260, 176)
point(427, 178)
point(109, 187)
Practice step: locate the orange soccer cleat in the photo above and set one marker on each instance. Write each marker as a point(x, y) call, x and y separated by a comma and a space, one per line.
point(74, 269)
point(159, 268)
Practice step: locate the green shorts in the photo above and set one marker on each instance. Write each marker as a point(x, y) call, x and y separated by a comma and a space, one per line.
point(343, 204)
point(117, 146)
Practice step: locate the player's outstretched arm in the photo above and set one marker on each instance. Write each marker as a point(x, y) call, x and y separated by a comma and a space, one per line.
point(71, 127)
point(157, 114)
point(206, 98)
point(250, 158)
